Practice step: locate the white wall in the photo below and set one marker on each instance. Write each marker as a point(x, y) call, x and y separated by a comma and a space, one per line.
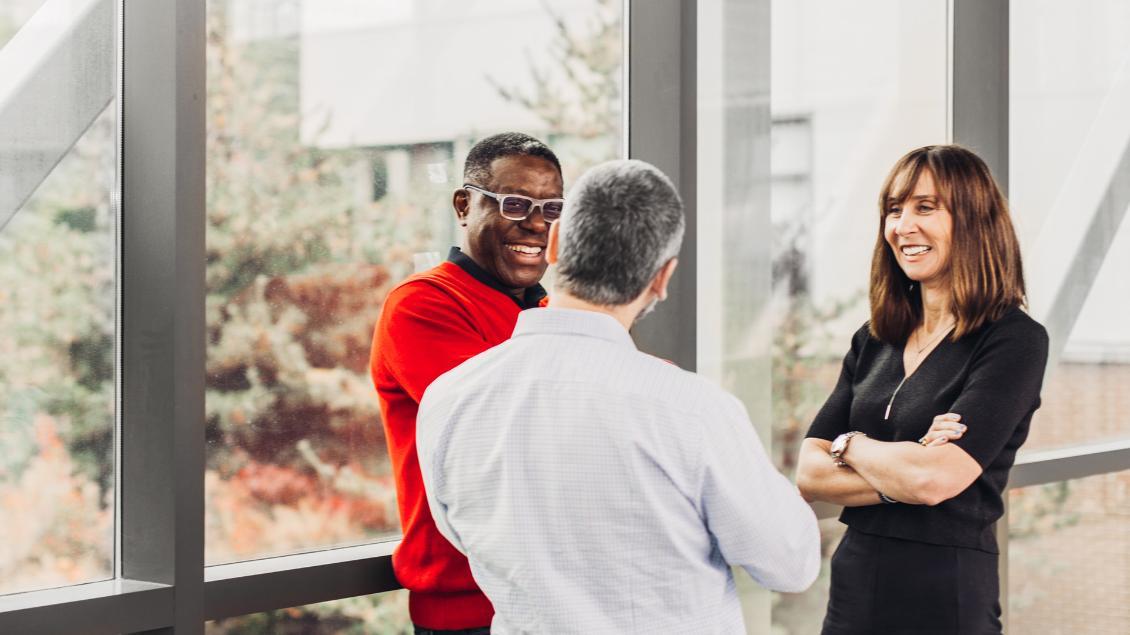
point(405, 72)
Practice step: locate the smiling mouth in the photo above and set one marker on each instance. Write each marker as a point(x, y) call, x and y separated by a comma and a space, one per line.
point(525, 249)
point(914, 250)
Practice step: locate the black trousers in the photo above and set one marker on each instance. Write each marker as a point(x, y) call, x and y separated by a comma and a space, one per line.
point(887, 585)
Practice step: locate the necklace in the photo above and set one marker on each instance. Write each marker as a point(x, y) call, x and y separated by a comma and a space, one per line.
point(917, 354)
point(942, 332)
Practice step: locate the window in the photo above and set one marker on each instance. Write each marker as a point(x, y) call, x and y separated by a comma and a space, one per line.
point(1070, 165)
point(855, 86)
point(58, 251)
point(336, 134)
point(1068, 556)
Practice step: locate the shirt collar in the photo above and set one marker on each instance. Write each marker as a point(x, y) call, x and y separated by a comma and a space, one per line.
point(532, 297)
point(553, 321)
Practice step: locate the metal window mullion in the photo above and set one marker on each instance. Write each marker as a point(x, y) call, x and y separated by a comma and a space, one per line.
point(1054, 466)
point(979, 76)
point(662, 129)
point(162, 286)
point(978, 90)
point(241, 588)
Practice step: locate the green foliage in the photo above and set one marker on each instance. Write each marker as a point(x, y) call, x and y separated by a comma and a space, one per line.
point(57, 321)
point(805, 352)
point(57, 324)
point(8, 28)
point(82, 219)
point(364, 615)
point(292, 287)
point(274, 206)
point(578, 93)
point(17, 443)
point(299, 259)
point(1039, 511)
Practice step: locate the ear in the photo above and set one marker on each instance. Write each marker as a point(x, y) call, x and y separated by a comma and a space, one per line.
point(661, 279)
point(461, 201)
point(554, 241)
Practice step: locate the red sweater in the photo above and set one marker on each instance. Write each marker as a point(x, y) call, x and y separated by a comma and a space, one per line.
point(430, 324)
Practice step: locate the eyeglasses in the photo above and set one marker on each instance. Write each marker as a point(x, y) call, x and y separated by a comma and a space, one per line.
point(516, 207)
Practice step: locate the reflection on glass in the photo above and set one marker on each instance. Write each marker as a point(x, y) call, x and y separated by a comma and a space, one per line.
point(13, 15)
point(336, 134)
point(854, 87)
point(1069, 557)
point(57, 303)
point(384, 614)
point(1069, 95)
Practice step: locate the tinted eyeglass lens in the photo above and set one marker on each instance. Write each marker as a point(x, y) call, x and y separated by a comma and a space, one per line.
point(513, 206)
point(518, 208)
point(551, 210)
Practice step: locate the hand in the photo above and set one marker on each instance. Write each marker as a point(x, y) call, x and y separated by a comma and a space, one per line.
point(946, 428)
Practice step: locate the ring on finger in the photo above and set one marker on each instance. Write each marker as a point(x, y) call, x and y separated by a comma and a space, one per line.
point(923, 441)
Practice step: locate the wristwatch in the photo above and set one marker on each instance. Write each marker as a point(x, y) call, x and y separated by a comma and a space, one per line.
point(840, 445)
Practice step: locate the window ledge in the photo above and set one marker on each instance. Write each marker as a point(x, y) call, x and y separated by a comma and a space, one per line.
point(112, 606)
point(267, 584)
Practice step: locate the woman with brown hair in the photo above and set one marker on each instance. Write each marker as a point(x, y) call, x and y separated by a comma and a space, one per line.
point(934, 399)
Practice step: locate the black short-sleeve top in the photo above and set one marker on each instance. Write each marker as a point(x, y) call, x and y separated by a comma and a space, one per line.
point(991, 377)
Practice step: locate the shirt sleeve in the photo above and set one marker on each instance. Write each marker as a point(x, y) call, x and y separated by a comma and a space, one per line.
point(834, 415)
point(422, 334)
point(1002, 388)
point(757, 517)
point(432, 436)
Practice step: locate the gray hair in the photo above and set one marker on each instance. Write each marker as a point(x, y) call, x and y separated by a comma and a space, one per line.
point(623, 221)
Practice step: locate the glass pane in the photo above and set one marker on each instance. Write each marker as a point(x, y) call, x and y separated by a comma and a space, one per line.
point(1070, 92)
point(855, 86)
point(732, 248)
point(384, 614)
point(336, 135)
point(13, 15)
point(58, 249)
point(1069, 557)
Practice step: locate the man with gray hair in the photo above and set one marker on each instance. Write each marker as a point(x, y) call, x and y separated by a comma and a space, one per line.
point(595, 488)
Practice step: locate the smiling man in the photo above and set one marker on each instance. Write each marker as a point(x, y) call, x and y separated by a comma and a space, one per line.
point(437, 319)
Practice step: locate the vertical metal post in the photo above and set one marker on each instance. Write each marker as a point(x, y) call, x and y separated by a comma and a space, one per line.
point(162, 434)
point(662, 130)
point(979, 54)
point(979, 120)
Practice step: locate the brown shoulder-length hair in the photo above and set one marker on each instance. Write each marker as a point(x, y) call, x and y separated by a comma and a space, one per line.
point(986, 276)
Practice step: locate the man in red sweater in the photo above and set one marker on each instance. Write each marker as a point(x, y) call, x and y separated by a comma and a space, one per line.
point(435, 320)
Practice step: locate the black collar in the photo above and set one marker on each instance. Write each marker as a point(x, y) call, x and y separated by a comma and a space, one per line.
point(530, 299)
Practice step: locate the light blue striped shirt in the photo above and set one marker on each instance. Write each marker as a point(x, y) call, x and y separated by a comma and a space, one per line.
point(598, 489)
